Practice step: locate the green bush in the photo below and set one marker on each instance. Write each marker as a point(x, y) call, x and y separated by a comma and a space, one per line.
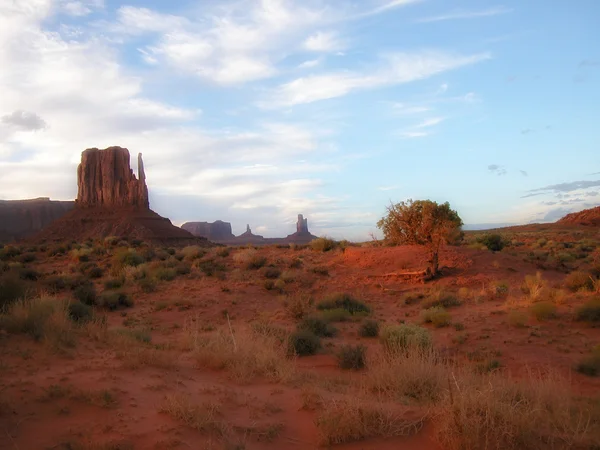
point(304, 343)
point(320, 270)
point(7, 253)
point(404, 337)
point(29, 274)
point(579, 280)
point(343, 301)
point(335, 315)
point(441, 298)
point(318, 326)
point(56, 283)
point(113, 299)
point(256, 262)
point(165, 274)
point(590, 311)
point(128, 258)
point(114, 283)
point(27, 258)
point(493, 242)
point(12, 288)
point(79, 312)
point(147, 284)
point(210, 267)
point(352, 357)
point(543, 310)
point(223, 252)
point(437, 316)
point(269, 285)
point(96, 272)
point(369, 328)
point(183, 269)
point(86, 294)
point(323, 244)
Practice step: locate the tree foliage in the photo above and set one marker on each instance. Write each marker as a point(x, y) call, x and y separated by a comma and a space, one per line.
point(421, 222)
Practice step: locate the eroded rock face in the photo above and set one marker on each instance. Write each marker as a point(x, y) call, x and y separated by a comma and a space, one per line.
point(215, 231)
point(105, 179)
point(302, 225)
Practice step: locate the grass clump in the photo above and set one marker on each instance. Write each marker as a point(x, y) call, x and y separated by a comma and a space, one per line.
point(86, 294)
point(369, 328)
point(12, 288)
point(344, 301)
point(404, 337)
point(543, 311)
point(323, 244)
point(352, 357)
point(437, 316)
point(272, 273)
point(247, 355)
point(590, 311)
point(441, 298)
point(298, 305)
point(165, 274)
point(203, 417)
point(341, 421)
point(517, 318)
point(114, 283)
point(210, 267)
point(256, 262)
point(579, 281)
point(304, 343)
point(317, 326)
point(112, 300)
point(533, 285)
point(80, 312)
point(127, 257)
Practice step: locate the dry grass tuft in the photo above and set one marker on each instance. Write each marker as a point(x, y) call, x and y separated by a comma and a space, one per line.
point(245, 355)
point(493, 412)
point(204, 417)
point(354, 419)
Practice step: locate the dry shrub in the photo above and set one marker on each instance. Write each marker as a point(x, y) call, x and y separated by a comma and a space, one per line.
point(402, 338)
point(202, 417)
point(298, 305)
point(142, 356)
point(543, 311)
point(517, 318)
point(245, 356)
point(579, 281)
point(493, 412)
point(354, 419)
point(43, 318)
point(436, 315)
point(533, 285)
point(416, 374)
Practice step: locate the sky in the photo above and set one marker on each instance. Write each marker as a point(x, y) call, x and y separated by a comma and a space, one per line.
point(253, 111)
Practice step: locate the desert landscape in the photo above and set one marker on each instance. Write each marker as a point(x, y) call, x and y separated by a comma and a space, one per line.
point(122, 331)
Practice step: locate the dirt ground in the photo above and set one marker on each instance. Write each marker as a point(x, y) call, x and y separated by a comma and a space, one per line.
point(132, 379)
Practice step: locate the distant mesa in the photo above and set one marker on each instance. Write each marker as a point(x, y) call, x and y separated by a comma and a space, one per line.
point(587, 217)
point(112, 201)
point(220, 232)
point(20, 219)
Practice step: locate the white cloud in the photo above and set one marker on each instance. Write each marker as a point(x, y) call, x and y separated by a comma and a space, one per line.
point(466, 14)
point(388, 188)
point(323, 42)
point(309, 64)
point(413, 134)
point(409, 110)
point(430, 122)
point(395, 69)
point(80, 7)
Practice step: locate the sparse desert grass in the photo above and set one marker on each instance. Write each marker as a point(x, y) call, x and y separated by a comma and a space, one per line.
point(165, 274)
point(12, 288)
point(590, 365)
point(494, 412)
point(437, 316)
point(43, 318)
point(126, 257)
point(192, 252)
point(417, 374)
point(114, 282)
point(112, 300)
point(204, 417)
point(590, 311)
point(86, 293)
point(533, 285)
point(579, 280)
point(323, 244)
point(440, 297)
point(343, 301)
point(245, 355)
point(250, 259)
point(369, 328)
point(80, 312)
point(402, 338)
point(142, 356)
point(543, 311)
point(298, 305)
point(352, 357)
point(352, 420)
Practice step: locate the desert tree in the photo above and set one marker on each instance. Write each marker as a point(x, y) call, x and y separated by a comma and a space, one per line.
point(421, 222)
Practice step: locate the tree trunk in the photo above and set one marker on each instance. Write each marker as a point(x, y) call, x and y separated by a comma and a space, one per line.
point(435, 263)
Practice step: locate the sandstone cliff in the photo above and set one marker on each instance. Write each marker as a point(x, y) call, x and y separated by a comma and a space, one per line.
point(588, 217)
point(20, 219)
point(215, 231)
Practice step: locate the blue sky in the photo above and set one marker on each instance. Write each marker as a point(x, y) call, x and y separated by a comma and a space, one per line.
point(255, 111)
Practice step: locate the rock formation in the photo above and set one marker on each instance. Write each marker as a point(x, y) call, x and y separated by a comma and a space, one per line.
point(221, 232)
point(302, 225)
point(215, 231)
point(111, 201)
point(588, 217)
point(20, 219)
point(105, 179)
